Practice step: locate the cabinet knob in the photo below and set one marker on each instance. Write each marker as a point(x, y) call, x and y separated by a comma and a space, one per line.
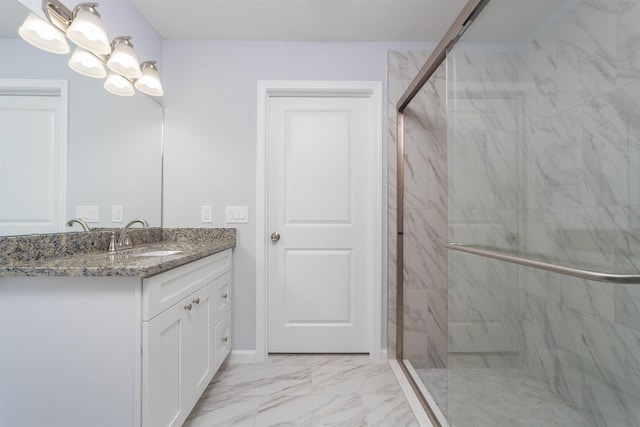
point(188, 307)
point(224, 296)
point(196, 301)
point(225, 339)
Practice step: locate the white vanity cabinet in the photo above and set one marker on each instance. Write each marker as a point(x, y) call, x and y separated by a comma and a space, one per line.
point(185, 337)
point(112, 351)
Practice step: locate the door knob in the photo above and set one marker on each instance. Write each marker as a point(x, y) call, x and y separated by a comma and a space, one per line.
point(275, 237)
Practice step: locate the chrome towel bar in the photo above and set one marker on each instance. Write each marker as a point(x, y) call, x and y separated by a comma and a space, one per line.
point(555, 268)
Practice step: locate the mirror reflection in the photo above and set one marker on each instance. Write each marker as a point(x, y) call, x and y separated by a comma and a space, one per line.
point(68, 148)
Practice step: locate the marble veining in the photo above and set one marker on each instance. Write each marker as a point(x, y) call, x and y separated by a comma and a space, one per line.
point(498, 397)
point(425, 212)
point(303, 390)
point(86, 254)
point(543, 160)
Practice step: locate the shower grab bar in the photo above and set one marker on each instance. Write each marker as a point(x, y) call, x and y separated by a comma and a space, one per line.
point(555, 268)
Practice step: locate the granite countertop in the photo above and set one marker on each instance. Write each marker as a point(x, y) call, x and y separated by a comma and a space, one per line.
point(193, 244)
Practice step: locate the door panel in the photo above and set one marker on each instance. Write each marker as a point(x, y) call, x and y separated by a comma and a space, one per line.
point(317, 142)
point(32, 164)
point(319, 180)
point(318, 287)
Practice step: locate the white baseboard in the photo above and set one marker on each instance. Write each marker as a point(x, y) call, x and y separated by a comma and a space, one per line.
point(242, 356)
point(414, 403)
point(249, 356)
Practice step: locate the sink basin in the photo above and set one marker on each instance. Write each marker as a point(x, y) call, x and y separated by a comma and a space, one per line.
point(159, 253)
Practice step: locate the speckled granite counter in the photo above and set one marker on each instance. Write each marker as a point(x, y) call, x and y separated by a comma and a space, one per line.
point(86, 254)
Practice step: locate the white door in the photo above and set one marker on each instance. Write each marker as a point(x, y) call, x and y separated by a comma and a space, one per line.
point(319, 202)
point(32, 161)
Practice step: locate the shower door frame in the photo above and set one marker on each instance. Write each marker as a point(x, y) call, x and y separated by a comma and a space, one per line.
point(471, 9)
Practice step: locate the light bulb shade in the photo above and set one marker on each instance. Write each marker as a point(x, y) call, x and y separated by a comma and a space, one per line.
point(118, 85)
point(87, 64)
point(123, 59)
point(149, 82)
point(43, 35)
point(87, 30)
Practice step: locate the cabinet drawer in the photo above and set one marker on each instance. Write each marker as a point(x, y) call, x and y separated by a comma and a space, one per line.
point(222, 296)
point(223, 340)
point(162, 291)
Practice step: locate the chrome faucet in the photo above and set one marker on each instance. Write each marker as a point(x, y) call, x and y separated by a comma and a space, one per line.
point(83, 224)
point(124, 241)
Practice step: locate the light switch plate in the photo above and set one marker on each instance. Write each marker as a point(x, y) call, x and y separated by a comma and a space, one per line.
point(237, 215)
point(88, 213)
point(116, 213)
point(205, 213)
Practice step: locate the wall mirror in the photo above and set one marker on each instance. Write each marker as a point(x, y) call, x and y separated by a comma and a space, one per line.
point(68, 148)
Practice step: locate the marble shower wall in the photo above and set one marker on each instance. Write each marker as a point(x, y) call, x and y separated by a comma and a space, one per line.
point(425, 214)
point(545, 159)
point(485, 133)
point(585, 169)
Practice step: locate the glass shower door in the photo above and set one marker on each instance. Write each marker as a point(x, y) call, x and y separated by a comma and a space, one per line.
point(542, 107)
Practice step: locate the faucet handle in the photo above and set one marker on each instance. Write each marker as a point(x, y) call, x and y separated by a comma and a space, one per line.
point(112, 243)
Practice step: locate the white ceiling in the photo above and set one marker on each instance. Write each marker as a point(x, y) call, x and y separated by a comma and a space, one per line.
point(503, 21)
point(301, 20)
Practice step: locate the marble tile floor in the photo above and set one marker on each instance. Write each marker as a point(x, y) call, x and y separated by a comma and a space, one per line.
point(304, 390)
point(498, 398)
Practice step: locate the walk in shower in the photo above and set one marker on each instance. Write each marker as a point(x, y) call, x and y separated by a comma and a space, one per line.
point(514, 287)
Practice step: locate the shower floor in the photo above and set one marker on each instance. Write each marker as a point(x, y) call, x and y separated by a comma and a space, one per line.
point(498, 398)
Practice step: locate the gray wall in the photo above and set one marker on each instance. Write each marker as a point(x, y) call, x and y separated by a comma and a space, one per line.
point(210, 133)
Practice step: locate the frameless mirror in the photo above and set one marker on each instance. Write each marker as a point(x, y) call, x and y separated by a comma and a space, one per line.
point(68, 148)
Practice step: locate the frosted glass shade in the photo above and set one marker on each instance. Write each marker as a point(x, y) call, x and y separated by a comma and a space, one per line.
point(87, 64)
point(87, 30)
point(149, 82)
point(43, 35)
point(118, 85)
point(123, 60)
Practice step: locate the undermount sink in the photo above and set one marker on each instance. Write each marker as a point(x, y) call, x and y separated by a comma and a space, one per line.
point(159, 253)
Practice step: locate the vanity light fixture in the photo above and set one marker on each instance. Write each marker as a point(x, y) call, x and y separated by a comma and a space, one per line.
point(85, 28)
point(149, 82)
point(87, 64)
point(43, 35)
point(118, 85)
point(123, 59)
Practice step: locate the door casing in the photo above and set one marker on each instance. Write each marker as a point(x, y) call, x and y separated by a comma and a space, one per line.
point(373, 91)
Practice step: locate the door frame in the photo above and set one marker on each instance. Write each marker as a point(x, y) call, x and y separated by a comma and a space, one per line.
point(366, 89)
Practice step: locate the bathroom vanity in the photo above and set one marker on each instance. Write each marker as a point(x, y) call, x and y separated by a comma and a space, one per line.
point(129, 339)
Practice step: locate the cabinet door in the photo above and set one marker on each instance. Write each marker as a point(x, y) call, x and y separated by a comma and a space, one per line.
point(222, 296)
point(223, 340)
point(202, 344)
point(164, 362)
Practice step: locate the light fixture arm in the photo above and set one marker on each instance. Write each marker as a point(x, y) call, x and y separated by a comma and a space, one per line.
point(89, 7)
point(149, 64)
point(126, 40)
point(58, 14)
point(61, 16)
